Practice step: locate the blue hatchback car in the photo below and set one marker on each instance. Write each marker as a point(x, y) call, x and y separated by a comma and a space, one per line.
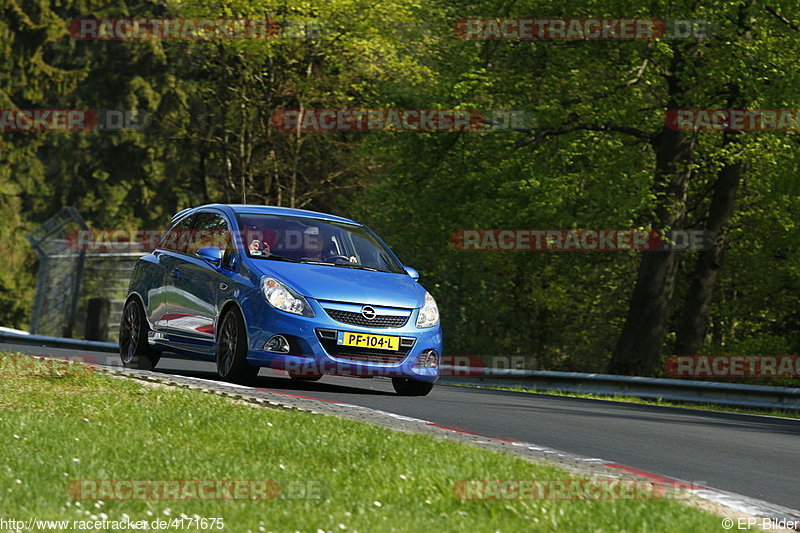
point(312, 294)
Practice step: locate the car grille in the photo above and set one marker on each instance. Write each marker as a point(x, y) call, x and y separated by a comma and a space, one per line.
point(357, 319)
point(327, 338)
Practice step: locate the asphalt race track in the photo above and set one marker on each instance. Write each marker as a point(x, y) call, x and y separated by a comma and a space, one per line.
point(756, 456)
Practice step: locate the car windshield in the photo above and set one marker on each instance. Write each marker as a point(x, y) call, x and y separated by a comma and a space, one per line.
point(314, 240)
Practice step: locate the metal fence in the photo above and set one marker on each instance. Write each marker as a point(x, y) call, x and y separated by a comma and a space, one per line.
point(68, 277)
point(59, 276)
point(106, 275)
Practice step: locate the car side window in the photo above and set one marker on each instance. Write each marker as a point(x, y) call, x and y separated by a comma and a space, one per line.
point(177, 237)
point(211, 229)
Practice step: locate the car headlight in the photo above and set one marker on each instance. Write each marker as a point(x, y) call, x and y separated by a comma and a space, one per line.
point(429, 313)
point(281, 297)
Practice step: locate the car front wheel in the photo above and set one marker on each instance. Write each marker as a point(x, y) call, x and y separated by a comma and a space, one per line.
point(232, 362)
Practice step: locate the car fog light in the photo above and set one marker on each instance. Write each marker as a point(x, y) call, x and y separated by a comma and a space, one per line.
point(428, 358)
point(278, 343)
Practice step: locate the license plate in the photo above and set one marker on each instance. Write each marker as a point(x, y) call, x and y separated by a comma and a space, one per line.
point(365, 340)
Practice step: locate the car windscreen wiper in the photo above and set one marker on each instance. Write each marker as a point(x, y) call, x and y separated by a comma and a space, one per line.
point(315, 262)
point(360, 267)
point(345, 265)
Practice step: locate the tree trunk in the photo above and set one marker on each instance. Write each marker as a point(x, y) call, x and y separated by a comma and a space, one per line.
point(694, 324)
point(638, 348)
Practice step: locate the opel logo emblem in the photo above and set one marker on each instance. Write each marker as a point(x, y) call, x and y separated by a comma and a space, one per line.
point(368, 312)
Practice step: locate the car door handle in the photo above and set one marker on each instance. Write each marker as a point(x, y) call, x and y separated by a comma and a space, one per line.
point(223, 286)
point(176, 273)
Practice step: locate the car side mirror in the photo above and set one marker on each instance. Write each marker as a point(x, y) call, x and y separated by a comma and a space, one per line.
point(412, 272)
point(210, 254)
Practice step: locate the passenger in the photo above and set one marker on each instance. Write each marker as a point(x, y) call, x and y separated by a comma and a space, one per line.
point(259, 247)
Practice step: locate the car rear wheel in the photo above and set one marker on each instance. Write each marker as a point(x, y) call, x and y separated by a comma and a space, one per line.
point(133, 348)
point(411, 387)
point(232, 362)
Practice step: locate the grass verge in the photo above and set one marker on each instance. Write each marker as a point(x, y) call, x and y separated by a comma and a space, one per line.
point(58, 429)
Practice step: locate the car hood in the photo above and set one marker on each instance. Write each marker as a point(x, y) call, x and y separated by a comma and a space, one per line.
point(341, 284)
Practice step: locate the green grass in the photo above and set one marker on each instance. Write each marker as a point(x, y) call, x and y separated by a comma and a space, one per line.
point(644, 401)
point(54, 430)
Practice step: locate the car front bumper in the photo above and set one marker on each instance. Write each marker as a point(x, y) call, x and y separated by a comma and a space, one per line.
point(314, 349)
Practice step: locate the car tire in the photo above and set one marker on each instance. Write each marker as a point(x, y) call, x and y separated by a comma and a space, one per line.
point(231, 349)
point(411, 387)
point(133, 348)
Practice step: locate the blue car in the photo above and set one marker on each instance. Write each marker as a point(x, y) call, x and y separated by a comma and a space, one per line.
point(254, 286)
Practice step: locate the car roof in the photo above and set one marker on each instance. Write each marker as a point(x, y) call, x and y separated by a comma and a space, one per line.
point(267, 210)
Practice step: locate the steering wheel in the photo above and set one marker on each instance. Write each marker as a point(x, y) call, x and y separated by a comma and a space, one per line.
point(334, 258)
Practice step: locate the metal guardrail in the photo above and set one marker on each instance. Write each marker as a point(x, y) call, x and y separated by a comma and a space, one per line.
point(58, 342)
point(677, 390)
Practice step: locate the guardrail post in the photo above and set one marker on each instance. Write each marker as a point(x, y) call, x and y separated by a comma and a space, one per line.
point(97, 313)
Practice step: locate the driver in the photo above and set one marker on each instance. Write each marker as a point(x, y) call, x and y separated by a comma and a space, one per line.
point(318, 246)
point(313, 243)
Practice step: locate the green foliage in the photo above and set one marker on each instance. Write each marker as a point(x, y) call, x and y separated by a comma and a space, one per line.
point(210, 139)
point(565, 310)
